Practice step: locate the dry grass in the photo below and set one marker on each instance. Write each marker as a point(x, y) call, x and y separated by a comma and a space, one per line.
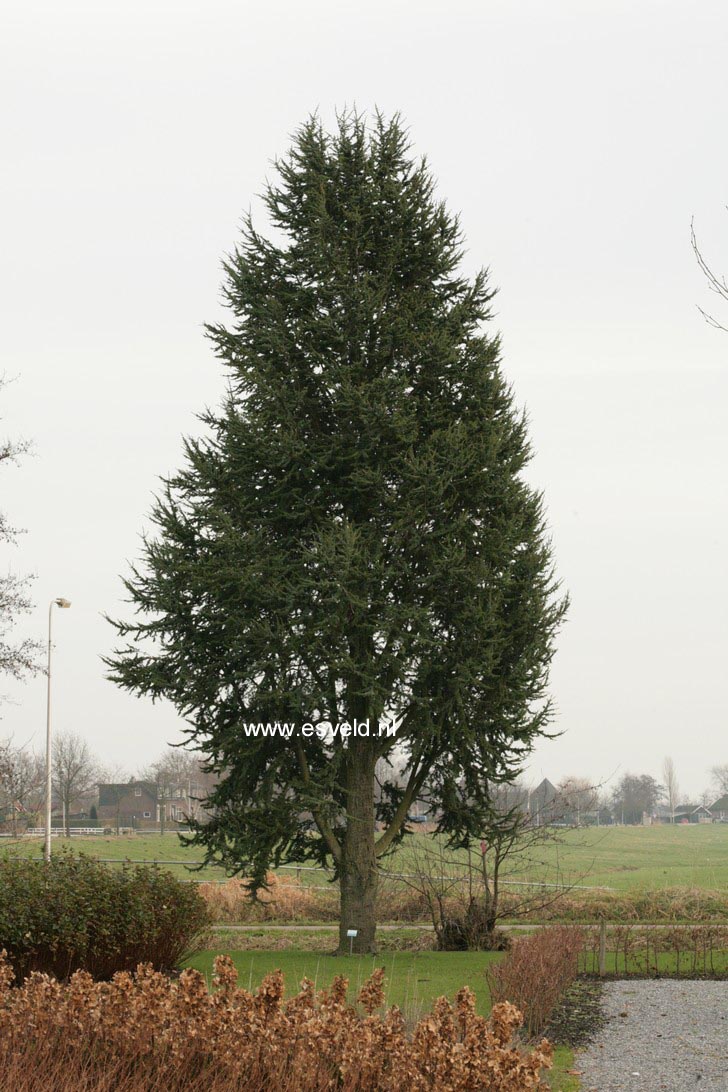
point(288, 900)
point(285, 900)
point(669, 904)
point(147, 1033)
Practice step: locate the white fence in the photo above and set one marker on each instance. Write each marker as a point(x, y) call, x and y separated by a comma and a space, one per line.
point(60, 832)
point(98, 832)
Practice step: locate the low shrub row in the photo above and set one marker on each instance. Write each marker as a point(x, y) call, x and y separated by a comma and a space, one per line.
point(75, 913)
point(146, 1032)
point(689, 950)
point(536, 972)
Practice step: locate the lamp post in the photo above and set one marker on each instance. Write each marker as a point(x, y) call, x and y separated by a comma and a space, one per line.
point(49, 788)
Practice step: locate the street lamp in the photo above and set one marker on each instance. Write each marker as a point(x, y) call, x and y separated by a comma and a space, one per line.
point(47, 853)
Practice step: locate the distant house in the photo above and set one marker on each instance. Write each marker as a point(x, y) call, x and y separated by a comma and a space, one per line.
point(541, 802)
point(128, 804)
point(685, 813)
point(146, 804)
point(719, 810)
point(180, 800)
point(693, 813)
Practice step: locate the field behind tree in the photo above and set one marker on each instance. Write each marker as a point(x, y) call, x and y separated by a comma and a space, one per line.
point(641, 858)
point(622, 858)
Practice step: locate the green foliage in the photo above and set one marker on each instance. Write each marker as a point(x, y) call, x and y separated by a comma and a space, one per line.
point(353, 538)
point(75, 913)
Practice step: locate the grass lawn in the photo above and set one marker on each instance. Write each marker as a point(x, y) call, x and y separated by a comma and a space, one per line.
point(413, 981)
point(317, 938)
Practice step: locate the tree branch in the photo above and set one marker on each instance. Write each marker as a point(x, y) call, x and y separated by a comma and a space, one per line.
point(326, 832)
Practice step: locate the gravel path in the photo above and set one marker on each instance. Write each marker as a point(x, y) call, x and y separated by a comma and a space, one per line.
point(660, 1035)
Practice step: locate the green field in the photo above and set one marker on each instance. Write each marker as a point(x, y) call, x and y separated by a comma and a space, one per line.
point(413, 981)
point(112, 847)
point(627, 858)
point(623, 858)
point(650, 858)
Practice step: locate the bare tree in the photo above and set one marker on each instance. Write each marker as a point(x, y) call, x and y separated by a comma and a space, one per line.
point(21, 781)
point(672, 789)
point(716, 282)
point(177, 769)
point(706, 798)
point(635, 796)
point(464, 896)
point(719, 775)
point(115, 781)
point(174, 766)
point(17, 657)
point(578, 799)
point(75, 772)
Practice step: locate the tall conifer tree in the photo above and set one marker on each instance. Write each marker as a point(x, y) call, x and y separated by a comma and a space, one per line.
point(353, 539)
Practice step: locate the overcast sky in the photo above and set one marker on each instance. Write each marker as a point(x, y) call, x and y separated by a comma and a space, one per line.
point(576, 140)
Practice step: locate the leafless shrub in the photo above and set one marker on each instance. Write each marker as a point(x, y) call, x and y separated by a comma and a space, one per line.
point(536, 972)
point(468, 899)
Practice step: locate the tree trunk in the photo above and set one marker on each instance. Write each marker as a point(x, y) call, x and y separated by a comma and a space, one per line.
point(490, 890)
point(495, 892)
point(490, 912)
point(358, 869)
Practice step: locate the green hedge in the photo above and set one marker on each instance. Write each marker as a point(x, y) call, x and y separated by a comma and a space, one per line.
point(77, 913)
